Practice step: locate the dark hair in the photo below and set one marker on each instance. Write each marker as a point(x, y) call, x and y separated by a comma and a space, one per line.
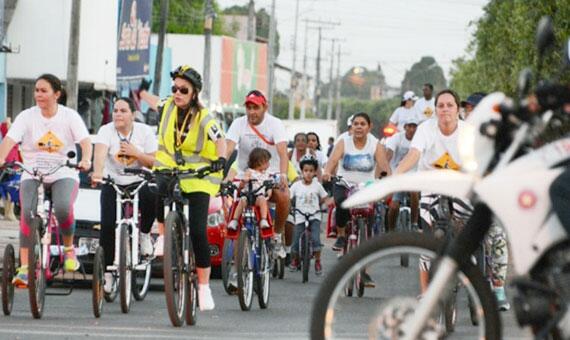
point(308, 161)
point(363, 115)
point(331, 139)
point(129, 102)
point(299, 134)
point(316, 136)
point(451, 92)
point(62, 97)
point(429, 85)
point(53, 81)
point(258, 156)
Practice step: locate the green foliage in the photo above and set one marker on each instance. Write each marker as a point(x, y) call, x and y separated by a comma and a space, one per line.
point(357, 82)
point(379, 112)
point(424, 71)
point(185, 17)
point(504, 44)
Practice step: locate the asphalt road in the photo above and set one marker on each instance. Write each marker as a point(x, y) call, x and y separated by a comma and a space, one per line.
point(70, 317)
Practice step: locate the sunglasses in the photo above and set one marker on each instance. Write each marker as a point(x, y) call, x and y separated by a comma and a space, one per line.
point(183, 90)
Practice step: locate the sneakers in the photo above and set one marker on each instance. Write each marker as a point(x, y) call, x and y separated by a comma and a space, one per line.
point(109, 282)
point(145, 244)
point(278, 247)
point(233, 225)
point(368, 282)
point(263, 223)
point(502, 301)
point(205, 298)
point(294, 266)
point(339, 244)
point(21, 278)
point(318, 268)
point(159, 246)
point(70, 264)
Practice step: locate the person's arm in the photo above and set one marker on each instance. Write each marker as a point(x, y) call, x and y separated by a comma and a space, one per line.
point(283, 163)
point(98, 163)
point(389, 154)
point(335, 157)
point(230, 147)
point(86, 154)
point(5, 147)
point(221, 148)
point(381, 159)
point(409, 161)
point(150, 99)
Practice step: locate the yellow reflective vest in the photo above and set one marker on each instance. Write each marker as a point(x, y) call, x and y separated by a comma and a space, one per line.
point(197, 149)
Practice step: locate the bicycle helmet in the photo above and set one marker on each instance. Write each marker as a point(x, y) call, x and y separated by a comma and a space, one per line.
point(189, 74)
point(308, 159)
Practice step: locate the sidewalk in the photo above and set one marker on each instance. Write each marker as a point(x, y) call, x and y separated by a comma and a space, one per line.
point(8, 234)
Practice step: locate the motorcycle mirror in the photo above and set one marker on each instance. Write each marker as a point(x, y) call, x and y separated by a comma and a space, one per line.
point(544, 35)
point(525, 78)
point(71, 154)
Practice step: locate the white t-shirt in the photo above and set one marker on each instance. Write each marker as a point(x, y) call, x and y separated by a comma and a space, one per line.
point(437, 151)
point(401, 115)
point(321, 158)
point(307, 198)
point(46, 141)
point(246, 139)
point(358, 165)
point(258, 178)
point(142, 137)
point(425, 108)
point(400, 146)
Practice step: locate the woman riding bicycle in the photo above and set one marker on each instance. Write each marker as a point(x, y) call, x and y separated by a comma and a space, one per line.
point(189, 138)
point(121, 144)
point(359, 155)
point(47, 132)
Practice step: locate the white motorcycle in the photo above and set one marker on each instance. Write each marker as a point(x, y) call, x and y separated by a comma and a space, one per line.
point(513, 190)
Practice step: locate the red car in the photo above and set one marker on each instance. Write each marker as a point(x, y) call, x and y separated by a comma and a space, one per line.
point(216, 230)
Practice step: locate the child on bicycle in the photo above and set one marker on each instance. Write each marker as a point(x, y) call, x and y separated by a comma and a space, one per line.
point(308, 195)
point(258, 164)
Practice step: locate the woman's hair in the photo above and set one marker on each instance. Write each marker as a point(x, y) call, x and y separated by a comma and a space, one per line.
point(62, 97)
point(299, 134)
point(258, 156)
point(129, 102)
point(53, 81)
point(363, 115)
point(451, 92)
point(317, 137)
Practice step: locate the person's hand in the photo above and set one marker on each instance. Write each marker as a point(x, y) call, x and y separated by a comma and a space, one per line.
point(84, 165)
point(2, 162)
point(329, 201)
point(144, 85)
point(326, 177)
point(96, 178)
point(218, 164)
point(283, 182)
point(128, 149)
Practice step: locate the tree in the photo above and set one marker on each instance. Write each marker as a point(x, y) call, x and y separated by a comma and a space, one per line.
point(356, 83)
point(185, 16)
point(504, 44)
point(424, 71)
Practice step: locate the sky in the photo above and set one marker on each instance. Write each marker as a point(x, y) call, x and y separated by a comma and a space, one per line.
point(394, 33)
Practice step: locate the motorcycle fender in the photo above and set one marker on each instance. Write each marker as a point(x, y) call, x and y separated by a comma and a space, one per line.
point(444, 182)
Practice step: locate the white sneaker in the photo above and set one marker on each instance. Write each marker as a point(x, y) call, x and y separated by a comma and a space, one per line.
point(109, 281)
point(159, 246)
point(145, 244)
point(205, 298)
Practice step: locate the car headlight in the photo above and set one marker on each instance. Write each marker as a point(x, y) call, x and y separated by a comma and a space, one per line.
point(215, 219)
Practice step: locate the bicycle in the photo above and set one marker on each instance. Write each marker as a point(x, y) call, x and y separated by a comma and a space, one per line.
point(42, 268)
point(306, 243)
point(128, 258)
point(179, 266)
point(253, 259)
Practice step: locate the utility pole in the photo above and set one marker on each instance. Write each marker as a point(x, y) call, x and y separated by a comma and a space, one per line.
point(271, 57)
point(160, 48)
point(73, 55)
point(338, 85)
point(318, 77)
point(208, 26)
point(292, 94)
point(251, 21)
point(331, 86)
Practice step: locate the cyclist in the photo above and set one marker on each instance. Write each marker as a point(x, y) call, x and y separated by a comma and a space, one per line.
point(47, 132)
point(425, 106)
point(358, 156)
point(469, 104)
point(260, 129)
point(190, 138)
point(123, 143)
point(299, 151)
point(405, 111)
point(397, 147)
point(308, 195)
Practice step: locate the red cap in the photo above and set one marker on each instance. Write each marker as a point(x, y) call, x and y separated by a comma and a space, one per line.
point(255, 97)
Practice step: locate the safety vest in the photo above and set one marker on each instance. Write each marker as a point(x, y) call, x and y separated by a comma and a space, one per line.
point(197, 149)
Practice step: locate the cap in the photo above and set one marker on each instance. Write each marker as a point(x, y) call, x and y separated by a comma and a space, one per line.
point(409, 95)
point(473, 99)
point(255, 97)
point(411, 120)
point(349, 120)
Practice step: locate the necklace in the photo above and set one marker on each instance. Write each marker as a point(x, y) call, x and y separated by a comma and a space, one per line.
point(123, 139)
point(180, 130)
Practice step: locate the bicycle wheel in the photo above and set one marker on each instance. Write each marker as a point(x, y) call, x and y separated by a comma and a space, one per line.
point(362, 237)
point(98, 282)
point(36, 271)
point(175, 284)
point(305, 256)
point(227, 261)
point(245, 271)
point(349, 288)
point(8, 272)
point(125, 268)
point(450, 311)
point(263, 277)
point(191, 289)
point(110, 297)
point(404, 222)
point(334, 316)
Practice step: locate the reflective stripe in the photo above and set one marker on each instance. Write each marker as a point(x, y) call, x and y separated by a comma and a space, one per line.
point(200, 139)
point(209, 178)
point(166, 119)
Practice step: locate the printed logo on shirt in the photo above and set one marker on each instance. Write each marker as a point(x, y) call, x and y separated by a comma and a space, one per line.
point(446, 162)
point(49, 143)
point(428, 112)
point(359, 162)
point(124, 159)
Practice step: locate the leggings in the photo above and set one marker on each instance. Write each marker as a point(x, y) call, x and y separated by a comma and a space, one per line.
point(342, 215)
point(108, 205)
point(63, 195)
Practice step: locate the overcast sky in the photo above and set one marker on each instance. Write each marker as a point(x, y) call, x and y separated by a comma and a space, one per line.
point(394, 33)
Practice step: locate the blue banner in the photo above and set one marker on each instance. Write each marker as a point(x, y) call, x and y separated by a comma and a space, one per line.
point(134, 39)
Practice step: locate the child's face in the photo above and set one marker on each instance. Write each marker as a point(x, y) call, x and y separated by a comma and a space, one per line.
point(308, 173)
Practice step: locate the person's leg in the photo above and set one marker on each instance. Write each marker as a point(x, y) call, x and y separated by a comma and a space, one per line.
point(316, 238)
point(261, 202)
point(498, 253)
point(281, 199)
point(108, 208)
point(237, 214)
point(147, 201)
point(297, 231)
point(64, 193)
point(394, 211)
point(342, 217)
point(28, 203)
point(425, 262)
point(415, 207)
